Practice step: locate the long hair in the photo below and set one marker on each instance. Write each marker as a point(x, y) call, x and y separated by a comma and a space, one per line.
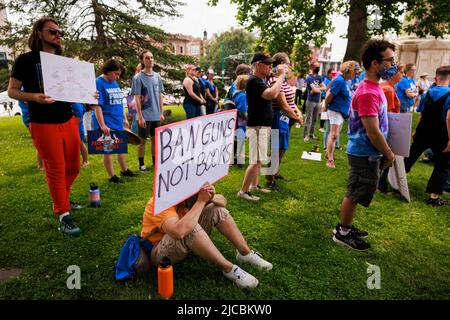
point(141, 57)
point(34, 43)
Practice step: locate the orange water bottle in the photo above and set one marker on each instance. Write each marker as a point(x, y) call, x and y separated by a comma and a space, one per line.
point(165, 279)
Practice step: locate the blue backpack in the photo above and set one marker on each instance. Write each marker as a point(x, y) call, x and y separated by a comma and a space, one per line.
point(135, 252)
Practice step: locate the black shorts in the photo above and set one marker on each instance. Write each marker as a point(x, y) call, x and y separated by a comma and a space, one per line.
point(149, 129)
point(363, 176)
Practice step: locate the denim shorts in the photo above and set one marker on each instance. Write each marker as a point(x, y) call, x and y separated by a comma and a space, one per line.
point(363, 176)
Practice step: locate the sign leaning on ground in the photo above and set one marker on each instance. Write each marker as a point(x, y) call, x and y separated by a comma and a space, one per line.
point(190, 153)
point(68, 80)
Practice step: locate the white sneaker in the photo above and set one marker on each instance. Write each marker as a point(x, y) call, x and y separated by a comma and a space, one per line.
point(247, 196)
point(255, 259)
point(241, 278)
point(306, 139)
point(143, 168)
point(260, 189)
point(322, 130)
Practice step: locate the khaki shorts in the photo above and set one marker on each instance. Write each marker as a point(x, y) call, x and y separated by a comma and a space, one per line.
point(177, 250)
point(258, 138)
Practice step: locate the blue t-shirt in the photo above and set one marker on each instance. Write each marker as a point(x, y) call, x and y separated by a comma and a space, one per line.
point(240, 100)
point(110, 100)
point(326, 81)
point(149, 87)
point(400, 88)
point(341, 99)
point(211, 87)
point(316, 80)
point(202, 83)
point(25, 116)
point(362, 76)
point(436, 93)
point(232, 89)
point(78, 111)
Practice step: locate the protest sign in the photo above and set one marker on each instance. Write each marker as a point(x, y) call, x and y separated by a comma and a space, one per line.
point(68, 79)
point(399, 137)
point(116, 142)
point(397, 178)
point(190, 153)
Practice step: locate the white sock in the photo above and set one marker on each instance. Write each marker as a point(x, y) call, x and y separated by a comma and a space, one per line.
point(344, 231)
point(61, 216)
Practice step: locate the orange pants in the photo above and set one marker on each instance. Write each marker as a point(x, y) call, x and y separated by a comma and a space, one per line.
point(59, 147)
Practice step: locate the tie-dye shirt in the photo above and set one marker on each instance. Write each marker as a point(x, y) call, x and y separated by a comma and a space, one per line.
point(368, 101)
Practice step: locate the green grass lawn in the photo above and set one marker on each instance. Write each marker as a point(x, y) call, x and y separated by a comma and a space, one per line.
point(291, 228)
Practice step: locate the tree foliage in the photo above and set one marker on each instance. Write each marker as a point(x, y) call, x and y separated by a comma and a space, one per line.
point(238, 47)
point(285, 24)
point(97, 30)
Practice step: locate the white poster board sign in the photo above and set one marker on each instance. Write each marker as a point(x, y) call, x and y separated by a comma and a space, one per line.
point(397, 178)
point(399, 137)
point(68, 79)
point(188, 154)
point(316, 156)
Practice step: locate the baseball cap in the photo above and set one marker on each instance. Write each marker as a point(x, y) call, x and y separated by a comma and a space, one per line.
point(262, 57)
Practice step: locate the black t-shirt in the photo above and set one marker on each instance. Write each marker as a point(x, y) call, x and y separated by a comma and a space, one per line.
point(196, 89)
point(27, 69)
point(259, 109)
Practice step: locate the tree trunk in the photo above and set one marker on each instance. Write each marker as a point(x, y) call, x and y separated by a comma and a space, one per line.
point(98, 14)
point(357, 29)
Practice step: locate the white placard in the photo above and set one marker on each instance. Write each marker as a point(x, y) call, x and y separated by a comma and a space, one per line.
point(68, 79)
point(399, 137)
point(317, 156)
point(190, 153)
point(397, 178)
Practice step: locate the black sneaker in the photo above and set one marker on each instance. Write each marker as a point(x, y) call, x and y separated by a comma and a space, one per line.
point(280, 177)
point(272, 185)
point(438, 202)
point(68, 226)
point(75, 206)
point(359, 233)
point(351, 240)
point(115, 179)
point(127, 173)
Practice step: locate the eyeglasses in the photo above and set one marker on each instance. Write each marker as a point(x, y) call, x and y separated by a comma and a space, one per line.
point(54, 32)
point(391, 60)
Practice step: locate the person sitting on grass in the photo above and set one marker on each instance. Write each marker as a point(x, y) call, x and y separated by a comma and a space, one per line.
point(187, 227)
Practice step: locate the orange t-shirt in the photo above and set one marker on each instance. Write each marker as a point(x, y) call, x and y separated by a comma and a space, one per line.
point(151, 223)
point(393, 103)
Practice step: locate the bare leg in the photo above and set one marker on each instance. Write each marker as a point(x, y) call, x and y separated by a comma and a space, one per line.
point(348, 209)
point(203, 247)
point(109, 165)
point(231, 231)
point(84, 152)
point(251, 176)
point(122, 162)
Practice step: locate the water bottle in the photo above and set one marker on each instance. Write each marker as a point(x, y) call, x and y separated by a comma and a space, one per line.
point(165, 279)
point(94, 195)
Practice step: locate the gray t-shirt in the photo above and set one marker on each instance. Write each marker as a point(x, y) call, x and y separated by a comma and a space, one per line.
point(149, 87)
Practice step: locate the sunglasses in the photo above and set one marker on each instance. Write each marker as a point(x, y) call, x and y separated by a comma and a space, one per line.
point(54, 32)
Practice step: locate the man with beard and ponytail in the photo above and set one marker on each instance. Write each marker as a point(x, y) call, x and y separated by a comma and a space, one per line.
point(367, 148)
point(187, 227)
point(53, 126)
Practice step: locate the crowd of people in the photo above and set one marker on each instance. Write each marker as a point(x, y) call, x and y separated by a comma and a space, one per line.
point(265, 101)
